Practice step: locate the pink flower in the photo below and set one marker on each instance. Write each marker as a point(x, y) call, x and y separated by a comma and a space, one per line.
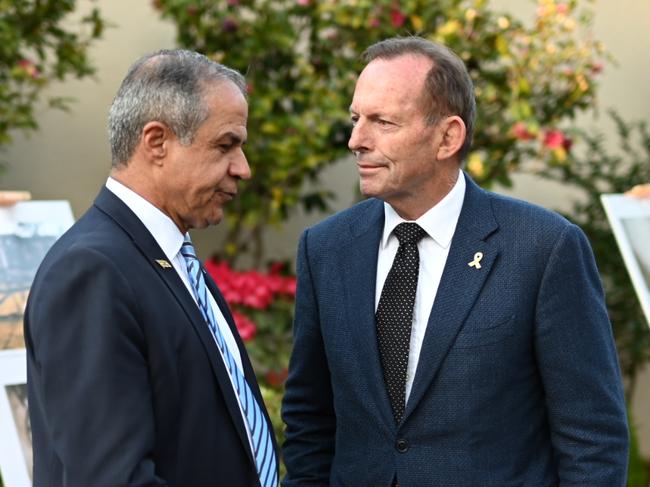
point(374, 22)
point(555, 139)
point(597, 67)
point(397, 18)
point(232, 3)
point(303, 3)
point(520, 131)
point(29, 68)
point(245, 326)
point(562, 8)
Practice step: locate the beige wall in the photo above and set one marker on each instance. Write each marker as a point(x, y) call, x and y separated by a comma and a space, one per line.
point(68, 158)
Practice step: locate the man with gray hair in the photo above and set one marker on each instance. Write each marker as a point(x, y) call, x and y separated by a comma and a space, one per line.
point(136, 373)
point(445, 336)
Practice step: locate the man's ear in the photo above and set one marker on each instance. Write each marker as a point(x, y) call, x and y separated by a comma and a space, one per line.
point(155, 139)
point(452, 136)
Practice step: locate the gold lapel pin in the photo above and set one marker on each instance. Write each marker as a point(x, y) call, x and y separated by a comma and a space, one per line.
point(163, 263)
point(477, 260)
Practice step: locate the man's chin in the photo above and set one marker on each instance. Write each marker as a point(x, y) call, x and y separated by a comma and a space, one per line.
point(215, 220)
point(367, 189)
point(208, 221)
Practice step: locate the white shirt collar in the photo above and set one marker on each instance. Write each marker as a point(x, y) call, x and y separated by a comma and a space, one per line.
point(162, 228)
point(439, 221)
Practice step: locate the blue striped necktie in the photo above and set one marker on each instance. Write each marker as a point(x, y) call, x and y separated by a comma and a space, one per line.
point(265, 460)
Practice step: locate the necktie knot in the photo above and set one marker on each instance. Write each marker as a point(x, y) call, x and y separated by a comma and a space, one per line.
point(187, 249)
point(409, 233)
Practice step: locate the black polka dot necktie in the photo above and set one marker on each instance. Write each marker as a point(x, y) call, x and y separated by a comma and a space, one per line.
point(395, 314)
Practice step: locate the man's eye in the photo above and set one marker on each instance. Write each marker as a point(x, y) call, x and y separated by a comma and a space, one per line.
point(383, 122)
point(354, 120)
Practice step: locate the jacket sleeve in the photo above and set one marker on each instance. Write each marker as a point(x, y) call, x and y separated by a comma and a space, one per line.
point(87, 364)
point(307, 407)
point(579, 368)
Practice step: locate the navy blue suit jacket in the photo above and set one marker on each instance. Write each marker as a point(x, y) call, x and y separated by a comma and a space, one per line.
point(126, 385)
point(517, 384)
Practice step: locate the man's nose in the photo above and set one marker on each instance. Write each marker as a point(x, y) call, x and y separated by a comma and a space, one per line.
point(240, 167)
point(359, 139)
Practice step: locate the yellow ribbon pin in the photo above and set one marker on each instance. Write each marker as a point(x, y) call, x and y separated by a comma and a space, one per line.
point(163, 263)
point(477, 259)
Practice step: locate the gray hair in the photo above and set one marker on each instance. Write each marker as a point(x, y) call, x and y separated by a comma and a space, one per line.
point(448, 86)
point(167, 86)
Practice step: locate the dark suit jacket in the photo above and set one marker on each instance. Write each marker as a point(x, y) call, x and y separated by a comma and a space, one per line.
point(126, 385)
point(517, 384)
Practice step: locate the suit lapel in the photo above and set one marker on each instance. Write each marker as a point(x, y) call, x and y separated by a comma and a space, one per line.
point(459, 287)
point(359, 264)
point(110, 204)
point(249, 373)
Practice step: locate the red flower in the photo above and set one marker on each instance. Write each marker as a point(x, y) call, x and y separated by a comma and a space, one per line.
point(374, 22)
point(520, 131)
point(277, 267)
point(245, 326)
point(250, 288)
point(289, 287)
point(397, 18)
point(554, 139)
point(276, 378)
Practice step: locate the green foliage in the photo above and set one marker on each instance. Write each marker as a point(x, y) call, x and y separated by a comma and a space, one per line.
point(637, 470)
point(301, 58)
point(39, 43)
point(593, 170)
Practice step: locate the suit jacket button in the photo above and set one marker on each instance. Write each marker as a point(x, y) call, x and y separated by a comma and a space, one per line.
point(402, 445)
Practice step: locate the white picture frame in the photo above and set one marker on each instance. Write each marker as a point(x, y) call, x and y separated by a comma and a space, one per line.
point(629, 218)
point(27, 231)
point(15, 435)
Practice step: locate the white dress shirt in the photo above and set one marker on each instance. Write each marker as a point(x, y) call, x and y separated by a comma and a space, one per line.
point(439, 223)
point(170, 239)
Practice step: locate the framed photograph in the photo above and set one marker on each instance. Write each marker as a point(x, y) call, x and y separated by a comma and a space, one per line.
point(15, 429)
point(630, 221)
point(27, 231)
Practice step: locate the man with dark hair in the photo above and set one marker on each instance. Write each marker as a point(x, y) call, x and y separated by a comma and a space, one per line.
point(445, 336)
point(136, 373)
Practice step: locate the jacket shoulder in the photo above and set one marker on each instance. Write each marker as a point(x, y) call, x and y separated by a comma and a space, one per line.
point(509, 211)
point(354, 220)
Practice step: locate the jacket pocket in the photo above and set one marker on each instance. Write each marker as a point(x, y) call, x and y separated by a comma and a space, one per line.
point(475, 334)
